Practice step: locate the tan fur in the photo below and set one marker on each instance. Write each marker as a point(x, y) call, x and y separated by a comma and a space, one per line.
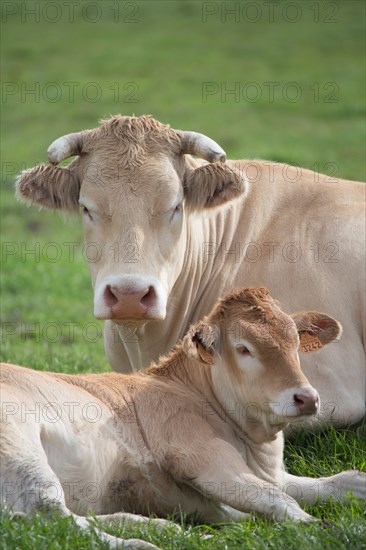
point(310, 323)
point(50, 186)
point(137, 138)
point(203, 191)
point(131, 175)
point(171, 438)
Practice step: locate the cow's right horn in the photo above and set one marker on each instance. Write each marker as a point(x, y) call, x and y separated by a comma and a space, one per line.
point(202, 146)
point(65, 147)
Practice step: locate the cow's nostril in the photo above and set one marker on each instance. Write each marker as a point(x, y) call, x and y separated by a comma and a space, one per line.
point(124, 298)
point(150, 298)
point(109, 297)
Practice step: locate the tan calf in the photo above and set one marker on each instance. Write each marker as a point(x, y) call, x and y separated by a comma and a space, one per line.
point(198, 433)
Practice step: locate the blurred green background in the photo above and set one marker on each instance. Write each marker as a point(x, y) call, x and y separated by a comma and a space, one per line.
point(277, 80)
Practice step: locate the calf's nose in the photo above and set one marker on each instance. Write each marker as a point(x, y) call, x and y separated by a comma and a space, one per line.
point(307, 401)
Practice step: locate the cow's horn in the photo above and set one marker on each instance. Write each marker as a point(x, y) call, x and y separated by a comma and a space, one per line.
point(202, 146)
point(65, 147)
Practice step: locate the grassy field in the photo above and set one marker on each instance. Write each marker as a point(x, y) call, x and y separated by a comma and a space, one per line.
point(284, 83)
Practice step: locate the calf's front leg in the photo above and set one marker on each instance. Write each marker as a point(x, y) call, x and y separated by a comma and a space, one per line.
point(248, 493)
point(227, 479)
point(310, 490)
point(133, 520)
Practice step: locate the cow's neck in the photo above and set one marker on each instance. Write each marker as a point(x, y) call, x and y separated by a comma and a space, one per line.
point(190, 298)
point(199, 248)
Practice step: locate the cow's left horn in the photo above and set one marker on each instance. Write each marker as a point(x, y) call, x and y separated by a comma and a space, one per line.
point(202, 146)
point(65, 147)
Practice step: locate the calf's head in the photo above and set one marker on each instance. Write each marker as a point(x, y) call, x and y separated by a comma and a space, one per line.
point(253, 349)
point(135, 185)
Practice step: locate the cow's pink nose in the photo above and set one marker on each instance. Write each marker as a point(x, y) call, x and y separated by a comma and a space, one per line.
point(128, 302)
point(307, 401)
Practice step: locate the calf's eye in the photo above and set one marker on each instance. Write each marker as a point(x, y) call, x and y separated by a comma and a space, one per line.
point(242, 350)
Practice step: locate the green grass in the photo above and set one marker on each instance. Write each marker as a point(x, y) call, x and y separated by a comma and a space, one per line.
point(169, 54)
point(307, 454)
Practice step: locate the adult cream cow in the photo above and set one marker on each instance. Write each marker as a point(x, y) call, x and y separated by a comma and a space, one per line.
point(213, 445)
point(169, 234)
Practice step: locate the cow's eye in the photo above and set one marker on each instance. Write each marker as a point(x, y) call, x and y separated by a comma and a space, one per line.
point(242, 350)
point(176, 211)
point(86, 212)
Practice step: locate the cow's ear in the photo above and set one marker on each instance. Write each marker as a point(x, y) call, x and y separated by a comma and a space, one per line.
point(211, 185)
point(50, 186)
point(200, 342)
point(316, 330)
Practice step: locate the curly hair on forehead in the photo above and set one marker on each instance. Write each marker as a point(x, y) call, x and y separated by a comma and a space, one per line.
point(133, 137)
point(255, 298)
point(143, 134)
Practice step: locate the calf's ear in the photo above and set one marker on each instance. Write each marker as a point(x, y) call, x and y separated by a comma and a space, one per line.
point(200, 342)
point(211, 185)
point(50, 186)
point(316, 330)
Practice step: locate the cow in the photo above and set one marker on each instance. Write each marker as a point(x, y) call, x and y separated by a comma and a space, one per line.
point(170, 232)
point(213, 446)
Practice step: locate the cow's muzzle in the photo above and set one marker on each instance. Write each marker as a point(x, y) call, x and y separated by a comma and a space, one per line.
point(126, 298)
